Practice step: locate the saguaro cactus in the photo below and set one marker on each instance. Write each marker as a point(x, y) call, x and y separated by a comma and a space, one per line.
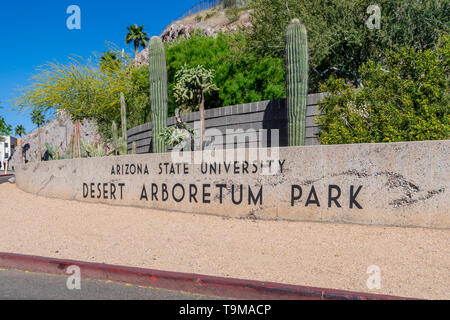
point(296, 81)
point(158, 92)
point(123, 115)
point(115, 138)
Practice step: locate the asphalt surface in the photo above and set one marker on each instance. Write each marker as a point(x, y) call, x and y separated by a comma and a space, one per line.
point(4, 179)
point(21, 285)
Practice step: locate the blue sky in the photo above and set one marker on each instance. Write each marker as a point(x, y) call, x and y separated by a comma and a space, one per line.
point(35, 32)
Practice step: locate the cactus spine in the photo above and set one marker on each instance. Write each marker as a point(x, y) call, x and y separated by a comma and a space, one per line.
point(296, 81)
point(158, 92)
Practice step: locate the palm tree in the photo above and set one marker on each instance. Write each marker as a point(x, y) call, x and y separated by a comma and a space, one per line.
point(5, 129)
point(137, 36)
point(38, 118)
point(20, 131)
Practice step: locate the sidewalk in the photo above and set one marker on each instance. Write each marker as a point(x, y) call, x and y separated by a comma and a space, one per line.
point(414, 262)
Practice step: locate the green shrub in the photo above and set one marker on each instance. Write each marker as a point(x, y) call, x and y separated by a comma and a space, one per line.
point(339, 40)
point(232, 14)
point(210, 15)
point(90, 89)
point(240, 76)
point(174, 136)
point(5, 129)
point(406, 99)
point(229, 3)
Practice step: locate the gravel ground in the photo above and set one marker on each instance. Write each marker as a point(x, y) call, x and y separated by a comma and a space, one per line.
point(414, 262)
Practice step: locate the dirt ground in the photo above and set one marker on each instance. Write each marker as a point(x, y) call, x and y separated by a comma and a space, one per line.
point(414, 262)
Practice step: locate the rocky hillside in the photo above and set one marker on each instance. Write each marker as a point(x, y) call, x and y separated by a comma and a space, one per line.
point(210, 22)
point(57, 134)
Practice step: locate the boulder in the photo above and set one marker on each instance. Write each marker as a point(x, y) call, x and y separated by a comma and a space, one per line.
point(218, 22)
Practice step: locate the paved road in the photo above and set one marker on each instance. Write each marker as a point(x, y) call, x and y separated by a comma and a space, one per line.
point(4, 179)
point(20, 285)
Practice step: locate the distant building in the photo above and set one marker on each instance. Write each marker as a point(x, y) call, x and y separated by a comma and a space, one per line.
point(7, 146)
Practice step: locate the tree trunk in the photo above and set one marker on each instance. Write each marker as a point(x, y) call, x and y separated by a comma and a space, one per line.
point(136, 48)
point(39, 144)
point(21, 150)
point(201, 98)
point(77, 139)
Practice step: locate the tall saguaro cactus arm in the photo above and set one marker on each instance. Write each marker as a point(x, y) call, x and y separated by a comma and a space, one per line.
point(296, 81)
point(158, 92)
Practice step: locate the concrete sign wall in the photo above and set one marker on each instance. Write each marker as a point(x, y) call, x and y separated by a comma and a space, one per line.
point(401, 184)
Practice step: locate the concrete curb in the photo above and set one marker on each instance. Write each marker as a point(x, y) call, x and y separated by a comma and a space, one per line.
point(194, 283)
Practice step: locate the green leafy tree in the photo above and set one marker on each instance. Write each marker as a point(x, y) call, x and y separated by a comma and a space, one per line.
point(405, 99)
point(340, 41)
point(174, 136)
point(5, 129)
point(20, 131)
point(190, 88)
point(109, 62)
point(136, 35)
point(38, 118)
point(137, 96)
point(90, 89)
point(241, 76)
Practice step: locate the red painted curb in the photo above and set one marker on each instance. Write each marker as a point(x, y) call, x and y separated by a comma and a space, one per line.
point(6, 175)
point(194, 283)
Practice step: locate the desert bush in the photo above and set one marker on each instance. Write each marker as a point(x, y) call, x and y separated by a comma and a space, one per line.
point(339, 40)
point(404, 99)
point(174, 136)
point(90, 89)
point(5, 129)
point(210, 15)
point(232, 14)
point(240, 76)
